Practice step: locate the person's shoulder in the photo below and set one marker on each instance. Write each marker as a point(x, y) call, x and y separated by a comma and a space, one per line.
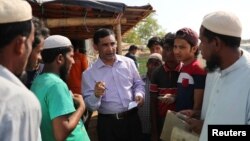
point(89, 69)
point(159, 69)
point(6, 83)
point(127, 54)
point(79, 57)
point(48, 80)
point(197, 68)
point(124, 58)
point(246, 59)
point(246, 55)
point(7, 88)
point(158, 72)
point(10, 92)
point(48, 77)
point(83, 56)
point(119, 57)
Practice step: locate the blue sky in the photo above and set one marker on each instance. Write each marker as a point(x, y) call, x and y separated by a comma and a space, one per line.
point(175, 14)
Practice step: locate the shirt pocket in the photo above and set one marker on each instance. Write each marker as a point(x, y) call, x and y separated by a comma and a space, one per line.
point(125, 78)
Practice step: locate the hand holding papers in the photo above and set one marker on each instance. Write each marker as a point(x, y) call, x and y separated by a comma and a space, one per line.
point(182, 116)
point(172, 120)
point(179, 134)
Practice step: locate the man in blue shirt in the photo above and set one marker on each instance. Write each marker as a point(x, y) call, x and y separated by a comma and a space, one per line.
point(131, 53)
point(112, 85)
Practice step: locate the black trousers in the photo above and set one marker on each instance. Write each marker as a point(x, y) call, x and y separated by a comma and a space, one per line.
point(110, 128)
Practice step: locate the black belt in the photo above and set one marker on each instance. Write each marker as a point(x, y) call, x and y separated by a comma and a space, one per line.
point(121, 115)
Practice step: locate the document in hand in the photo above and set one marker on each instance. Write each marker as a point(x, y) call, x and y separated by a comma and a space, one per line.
point(132, 105)
point(171, 121)
point(179, 134)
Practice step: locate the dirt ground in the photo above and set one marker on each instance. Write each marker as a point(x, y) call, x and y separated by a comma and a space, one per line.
point(92, 127)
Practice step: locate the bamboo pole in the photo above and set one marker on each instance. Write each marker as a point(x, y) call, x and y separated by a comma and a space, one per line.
point(65, 22)
point(139, 10)
point(119, 38)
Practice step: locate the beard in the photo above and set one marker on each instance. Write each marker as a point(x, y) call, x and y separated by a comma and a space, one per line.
point(63, 73)
point(213, 64)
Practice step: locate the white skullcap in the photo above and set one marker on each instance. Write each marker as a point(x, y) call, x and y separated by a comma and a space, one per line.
point(224, 23)
point(56, 41)
point(14, 11)
point(155, 56)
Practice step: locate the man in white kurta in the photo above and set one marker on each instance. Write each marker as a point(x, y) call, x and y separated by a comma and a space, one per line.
point(20, 111)
point(229, 100)
point(227, 92)
point(211, 77)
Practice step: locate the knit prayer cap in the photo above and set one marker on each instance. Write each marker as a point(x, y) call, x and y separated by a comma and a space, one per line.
point(14, 11)
point(155, 56)
point(56, 41)
point(225, 23)
point(189, 35)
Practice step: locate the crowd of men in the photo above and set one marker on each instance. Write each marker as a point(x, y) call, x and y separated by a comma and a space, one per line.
point(40, 102)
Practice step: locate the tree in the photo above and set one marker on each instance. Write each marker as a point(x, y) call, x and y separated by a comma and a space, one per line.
point(144, 30)
point(132, 37)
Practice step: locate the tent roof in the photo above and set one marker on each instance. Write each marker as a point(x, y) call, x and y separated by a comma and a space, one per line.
point(93, 15)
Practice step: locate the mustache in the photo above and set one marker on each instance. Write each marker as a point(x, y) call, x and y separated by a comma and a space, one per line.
point(111, 53)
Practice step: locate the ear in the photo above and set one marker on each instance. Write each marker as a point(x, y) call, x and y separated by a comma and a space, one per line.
point(19, 43)
point(218, 43)
point(60, 59)
point(95, 47)
point(195, 48)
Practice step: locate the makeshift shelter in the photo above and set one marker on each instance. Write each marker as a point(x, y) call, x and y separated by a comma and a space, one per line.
point(79, 19)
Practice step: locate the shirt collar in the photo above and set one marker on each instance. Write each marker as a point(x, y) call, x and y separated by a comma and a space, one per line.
point(5, 73)
point(177, 68)
point(240, 62)
point(100, 64)
point(195, 61)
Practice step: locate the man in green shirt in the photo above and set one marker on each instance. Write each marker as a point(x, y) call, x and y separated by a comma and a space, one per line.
point(60, 119)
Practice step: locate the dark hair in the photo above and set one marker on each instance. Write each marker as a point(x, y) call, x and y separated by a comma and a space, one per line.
point(154, 41)
point(101, 33)
point(49, 55)
point(168, 41)
point(132, 47)
point(45, 32)
point(233, 42)
point(38, 34)
point(9, 31)
point(40, 31)
point(79, 44)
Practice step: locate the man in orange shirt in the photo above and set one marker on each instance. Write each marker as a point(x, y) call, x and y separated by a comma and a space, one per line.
point(81, 64)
